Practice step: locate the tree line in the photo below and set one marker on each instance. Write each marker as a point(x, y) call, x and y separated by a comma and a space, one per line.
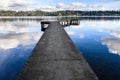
point(59, 13)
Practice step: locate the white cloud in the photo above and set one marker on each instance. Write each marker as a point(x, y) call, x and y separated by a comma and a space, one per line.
point(15, 4)
point(48, 8)
point(15, 33)
point(71, 32)
point(115, 33)
point(113, 44)
point(35, 5)
point(72, 6)
point(60, 5)
point(94, 5)
point(16, 27)
point(12, 40)
point(81, 35)
point(76, 6)
point(79, 6)
point(76, 27)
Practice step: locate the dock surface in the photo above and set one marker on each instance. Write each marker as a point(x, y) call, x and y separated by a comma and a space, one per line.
point(55, 57)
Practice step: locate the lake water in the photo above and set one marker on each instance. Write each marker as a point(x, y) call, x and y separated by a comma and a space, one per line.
point(97, 39)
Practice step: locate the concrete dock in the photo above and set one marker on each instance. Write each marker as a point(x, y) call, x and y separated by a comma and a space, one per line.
point(55, 57)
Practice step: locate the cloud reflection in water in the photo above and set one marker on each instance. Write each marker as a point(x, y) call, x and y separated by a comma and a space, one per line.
point(17, 40)
point(113, 43)
point(87, 38)
point(12, 40)
point(19, 27)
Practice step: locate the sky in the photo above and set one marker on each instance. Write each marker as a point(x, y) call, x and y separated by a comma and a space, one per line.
point(55, 5)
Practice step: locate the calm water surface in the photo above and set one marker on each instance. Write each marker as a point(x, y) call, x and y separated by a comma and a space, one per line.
point(97, 40)
point(17, 40)
point(99, 43)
